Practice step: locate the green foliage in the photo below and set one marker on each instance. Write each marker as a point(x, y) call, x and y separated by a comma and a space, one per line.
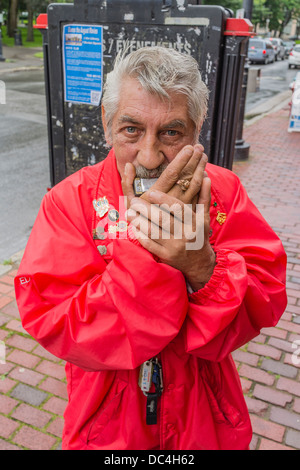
point(278, 13)
point(231, 4)
point(37, 39)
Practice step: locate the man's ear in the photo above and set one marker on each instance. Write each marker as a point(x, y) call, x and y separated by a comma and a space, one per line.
point(104, 123)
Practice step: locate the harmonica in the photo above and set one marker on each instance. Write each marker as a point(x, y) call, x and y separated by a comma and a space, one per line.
point(141, 185)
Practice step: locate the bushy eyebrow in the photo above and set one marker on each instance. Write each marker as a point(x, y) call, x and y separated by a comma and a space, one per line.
point(124, 119)
point(176, 123)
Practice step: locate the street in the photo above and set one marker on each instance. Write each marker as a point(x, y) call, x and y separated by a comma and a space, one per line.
point(24, 164)
point(275, 78)
point(23, 158)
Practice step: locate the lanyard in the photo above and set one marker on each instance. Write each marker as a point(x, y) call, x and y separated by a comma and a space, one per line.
point(151, 374)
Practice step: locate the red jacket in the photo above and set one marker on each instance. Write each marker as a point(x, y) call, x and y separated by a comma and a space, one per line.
point(105, 314)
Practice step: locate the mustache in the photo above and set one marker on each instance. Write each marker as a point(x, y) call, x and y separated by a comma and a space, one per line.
point(142, 172)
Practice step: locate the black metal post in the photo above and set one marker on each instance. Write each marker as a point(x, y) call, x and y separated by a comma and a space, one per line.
point(242, 149)
point(248, 7)
point(18, 38)
point(2, 59)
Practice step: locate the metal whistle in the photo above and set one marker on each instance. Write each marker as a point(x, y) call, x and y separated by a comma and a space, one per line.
point(141, 185)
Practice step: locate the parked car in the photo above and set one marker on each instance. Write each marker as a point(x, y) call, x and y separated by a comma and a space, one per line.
point(279, 48)
point(288, 46)
point(294, 57)
point(260, 51)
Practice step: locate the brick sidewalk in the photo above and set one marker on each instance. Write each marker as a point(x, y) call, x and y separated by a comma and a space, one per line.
point(32, 382)
point(270, 376)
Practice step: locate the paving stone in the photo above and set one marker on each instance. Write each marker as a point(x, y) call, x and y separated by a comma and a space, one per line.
point(11, 309)
point(24, 359)
point(288, 385)
point(256, 375)
point(277, 367)
point(242, 356)
point(29, 395)
point(56, 427)
point(30, 415)
point(55, 405)
point(266, 444)
point(56, 387)
point(285, 417)
point(256, 406)
point(4, 300)
point(293, 438)
point(272, 396)
point(264, 350)
point(280, 344)
point(296, 406)
point(6, 384)
point(21, 342)
point(50, 368)
point(7, 427)
point(16, 325)
point(266, 428)
point(27, 376)
point(4, 445)
point(34, 440)
point(7, 404)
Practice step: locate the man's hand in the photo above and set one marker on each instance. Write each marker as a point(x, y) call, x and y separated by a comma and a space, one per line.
point(174, 224)
point(189, 164)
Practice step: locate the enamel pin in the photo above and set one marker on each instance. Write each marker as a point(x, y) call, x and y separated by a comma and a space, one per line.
point(101, 206)
point(119, 227)
point(221, 217)
point(113, 215)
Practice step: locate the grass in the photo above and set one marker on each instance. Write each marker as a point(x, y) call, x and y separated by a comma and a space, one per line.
point(38, 39)
point(7, 262)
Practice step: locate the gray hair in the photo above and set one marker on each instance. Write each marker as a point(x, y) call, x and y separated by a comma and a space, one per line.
point(160, 71)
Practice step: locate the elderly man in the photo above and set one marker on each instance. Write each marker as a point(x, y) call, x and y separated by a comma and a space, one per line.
point(145, 318)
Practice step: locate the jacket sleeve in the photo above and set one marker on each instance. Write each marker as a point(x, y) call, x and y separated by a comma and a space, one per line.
point(95, 315)
point(247, 289)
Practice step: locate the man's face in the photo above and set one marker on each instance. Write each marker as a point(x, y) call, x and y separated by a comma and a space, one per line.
point(149, 132)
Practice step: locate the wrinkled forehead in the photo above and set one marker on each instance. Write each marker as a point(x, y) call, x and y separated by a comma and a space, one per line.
point(137, 104)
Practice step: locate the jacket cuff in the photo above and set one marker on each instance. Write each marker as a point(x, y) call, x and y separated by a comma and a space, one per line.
point(216, 281)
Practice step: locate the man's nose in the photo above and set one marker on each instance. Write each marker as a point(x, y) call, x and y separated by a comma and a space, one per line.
point(150, 152)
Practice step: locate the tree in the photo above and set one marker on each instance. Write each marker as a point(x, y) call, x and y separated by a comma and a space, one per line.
point(283, 11)
point(33, 7)
point(231, 4)
point(291, 11)
point(12, 17)
point(261, 13)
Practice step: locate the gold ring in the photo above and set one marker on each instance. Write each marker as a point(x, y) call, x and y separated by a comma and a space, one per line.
point(184, 184)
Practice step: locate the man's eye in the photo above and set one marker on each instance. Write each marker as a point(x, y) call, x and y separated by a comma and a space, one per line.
point(131, 129)
point(171, 133)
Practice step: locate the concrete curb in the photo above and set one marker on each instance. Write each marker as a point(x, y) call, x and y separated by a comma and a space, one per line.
point(269, 106)
point(21, 69)
point(14, 259)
